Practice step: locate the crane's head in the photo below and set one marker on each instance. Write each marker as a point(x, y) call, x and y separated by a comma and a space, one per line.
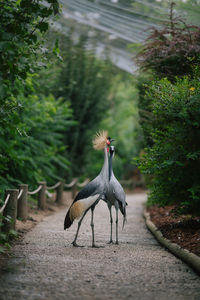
point(108, 142)
point(102, 140)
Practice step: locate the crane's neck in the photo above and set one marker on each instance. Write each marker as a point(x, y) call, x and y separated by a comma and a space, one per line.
point(105, 169)
point(110, 171)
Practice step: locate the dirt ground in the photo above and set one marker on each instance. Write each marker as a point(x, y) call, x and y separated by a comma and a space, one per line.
point(183, 230)
point(45, 266)
point(35, 216)
point(180, 229)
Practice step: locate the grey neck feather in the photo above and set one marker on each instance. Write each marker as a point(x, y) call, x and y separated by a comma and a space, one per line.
point(104, 170)
point(110, 165)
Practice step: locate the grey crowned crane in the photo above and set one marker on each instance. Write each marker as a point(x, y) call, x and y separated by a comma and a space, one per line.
point(95, 190)
point(115, 196)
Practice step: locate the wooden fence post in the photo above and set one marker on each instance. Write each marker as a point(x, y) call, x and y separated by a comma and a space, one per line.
point(59, 194)
point(22, 210)
point(42, 195)
point(10, 210)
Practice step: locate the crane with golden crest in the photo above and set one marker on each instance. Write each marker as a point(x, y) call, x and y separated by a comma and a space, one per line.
point(95, 190)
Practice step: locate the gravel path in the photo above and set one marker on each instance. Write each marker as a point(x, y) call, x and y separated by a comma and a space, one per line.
point(46, 266)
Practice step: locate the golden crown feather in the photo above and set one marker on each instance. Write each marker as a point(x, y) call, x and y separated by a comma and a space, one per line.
point(100, 140)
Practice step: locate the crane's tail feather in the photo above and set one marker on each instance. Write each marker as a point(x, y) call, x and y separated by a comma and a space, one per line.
point(124, 217)
point(124, 221)
point(68, 222)
point(122, 208)
point(75, 212)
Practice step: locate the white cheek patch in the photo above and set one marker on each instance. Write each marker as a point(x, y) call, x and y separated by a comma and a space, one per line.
point(88, 202)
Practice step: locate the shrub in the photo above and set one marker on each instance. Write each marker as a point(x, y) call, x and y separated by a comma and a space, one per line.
point(173, 161)
point(22, 23)
point(144, 108)
point(22, 28)
point(37, 152)
point(172, 50)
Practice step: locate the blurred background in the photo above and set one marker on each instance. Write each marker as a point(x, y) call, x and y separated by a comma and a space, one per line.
point(86, 78)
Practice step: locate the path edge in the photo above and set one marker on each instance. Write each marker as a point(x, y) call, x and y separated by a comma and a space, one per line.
point(189, 258)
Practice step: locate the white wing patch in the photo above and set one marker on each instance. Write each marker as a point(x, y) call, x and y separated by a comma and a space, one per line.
point(80, 206)
point(88, 202)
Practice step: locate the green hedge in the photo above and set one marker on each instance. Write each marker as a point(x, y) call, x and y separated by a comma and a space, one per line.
point(173, 162)
point(33, 150)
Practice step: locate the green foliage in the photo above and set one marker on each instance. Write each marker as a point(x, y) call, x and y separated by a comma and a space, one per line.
point(37, 151)
point(122, 123)
point(21, 24)
point(27, 147)
point(85, 81)
point(173, 162)
point(169, 114)
point(111, 104)
point(5, 238)
point(145, 108)
point(169, 52)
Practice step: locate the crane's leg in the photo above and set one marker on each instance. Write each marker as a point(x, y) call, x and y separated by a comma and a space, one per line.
point(92, 226)
point(117, 242)
point(111, 223)
point(79, 225)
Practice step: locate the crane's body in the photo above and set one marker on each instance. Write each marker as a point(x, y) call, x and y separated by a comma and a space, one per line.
point(90, 195)
point(115, 196)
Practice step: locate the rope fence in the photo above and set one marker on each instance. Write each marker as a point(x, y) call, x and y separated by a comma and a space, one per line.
point(5, 203)
point(36, 191)
point(74, 181)
point(49, 195)
point(20, 194)
point(54, 186)
point(16, 200)
point(83, 183)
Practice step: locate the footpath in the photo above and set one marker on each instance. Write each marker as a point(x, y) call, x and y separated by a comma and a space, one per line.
point(45, 266)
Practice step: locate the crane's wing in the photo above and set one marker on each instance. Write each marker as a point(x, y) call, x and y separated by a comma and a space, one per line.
point(87, 191)
point(82, 202)
point(118, 191)
point(120, 196)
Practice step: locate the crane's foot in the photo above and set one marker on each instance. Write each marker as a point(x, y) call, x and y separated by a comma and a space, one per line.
point(110, 242)
point(76, 245)
point(117, 243)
